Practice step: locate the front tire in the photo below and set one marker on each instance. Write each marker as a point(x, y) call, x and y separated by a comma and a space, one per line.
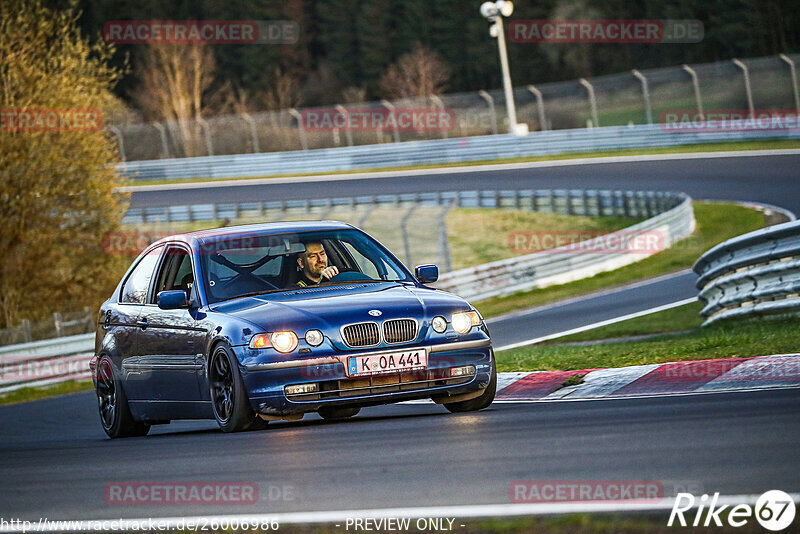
point(478, 403)
point(229, 399)
point(115, 414)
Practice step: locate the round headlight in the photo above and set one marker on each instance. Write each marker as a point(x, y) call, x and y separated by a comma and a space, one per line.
point(464, 321)
point(283, 341)
point(439, 324)
point(314, 337)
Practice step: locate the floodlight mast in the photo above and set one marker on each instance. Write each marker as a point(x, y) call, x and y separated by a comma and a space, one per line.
point(494, 13)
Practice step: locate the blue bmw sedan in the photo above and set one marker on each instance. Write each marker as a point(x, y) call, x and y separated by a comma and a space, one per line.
point(268, 322)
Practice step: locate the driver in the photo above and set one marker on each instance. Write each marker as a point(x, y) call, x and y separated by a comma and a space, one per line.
point(314, 263)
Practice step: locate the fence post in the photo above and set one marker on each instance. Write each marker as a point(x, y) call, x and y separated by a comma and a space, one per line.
point(363, 220)
point(592, 101)
point(207, 135)
point(57, 322)
point(253, 133)
point(347, 132)
point(404, 228)
point(540, 106)
point(444, 243)
point(118, 134)
point(696, 85)
point(746, 86)
point(648, 111)
point(26, 330)
point(788, 60)
point(395, 132)
point(439, 104)
point(164, 146)
point(490, 101)
point(300, 130)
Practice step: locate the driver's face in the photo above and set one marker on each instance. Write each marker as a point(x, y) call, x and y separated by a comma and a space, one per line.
point(314, 260)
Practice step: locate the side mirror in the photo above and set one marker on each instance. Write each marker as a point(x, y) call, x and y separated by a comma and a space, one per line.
point(172, 300)
point(426, 274)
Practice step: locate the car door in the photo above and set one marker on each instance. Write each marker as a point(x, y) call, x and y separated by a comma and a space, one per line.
point(170, 342)
point(122, 318)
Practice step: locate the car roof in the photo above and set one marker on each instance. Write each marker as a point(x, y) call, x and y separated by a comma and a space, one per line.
point(202, 236)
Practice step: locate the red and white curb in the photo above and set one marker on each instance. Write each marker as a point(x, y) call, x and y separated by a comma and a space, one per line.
point(776, 371)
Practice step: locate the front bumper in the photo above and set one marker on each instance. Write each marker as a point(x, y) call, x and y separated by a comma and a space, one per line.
point(265, 381)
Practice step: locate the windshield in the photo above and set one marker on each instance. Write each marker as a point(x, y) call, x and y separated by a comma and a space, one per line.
point(236, 266)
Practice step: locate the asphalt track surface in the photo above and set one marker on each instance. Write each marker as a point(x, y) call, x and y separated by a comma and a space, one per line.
point(56, 460)
point(773, 179)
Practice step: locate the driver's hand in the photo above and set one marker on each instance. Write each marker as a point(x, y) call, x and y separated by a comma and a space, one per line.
point(329, 272)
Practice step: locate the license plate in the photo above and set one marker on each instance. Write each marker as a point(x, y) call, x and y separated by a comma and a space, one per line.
point(392, 362)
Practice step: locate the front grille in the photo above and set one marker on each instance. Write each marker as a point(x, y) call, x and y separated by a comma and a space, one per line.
point(361, 334)
point(399, 330)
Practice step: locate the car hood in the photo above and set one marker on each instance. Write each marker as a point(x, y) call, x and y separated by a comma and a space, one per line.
point(327, 308)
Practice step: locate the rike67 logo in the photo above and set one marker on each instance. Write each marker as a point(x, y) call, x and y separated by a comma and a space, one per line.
point(774, 510)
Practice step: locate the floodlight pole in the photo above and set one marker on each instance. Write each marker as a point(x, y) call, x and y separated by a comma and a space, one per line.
point(511, 110)
point(494, 13)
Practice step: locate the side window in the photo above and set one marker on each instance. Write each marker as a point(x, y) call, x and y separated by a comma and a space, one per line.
point(135, 289)
point(176, 272)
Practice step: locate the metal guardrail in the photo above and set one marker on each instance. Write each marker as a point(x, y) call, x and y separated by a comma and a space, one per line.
point(569, 263)
point(754, 274)
point(45, 362)
point(438, 151)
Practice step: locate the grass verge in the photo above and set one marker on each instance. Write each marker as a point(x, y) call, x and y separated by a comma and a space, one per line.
point(728, 340)
point(491, 231)
point(680, 149)
point(43, 392)
point(716, 222)
point(686, 317)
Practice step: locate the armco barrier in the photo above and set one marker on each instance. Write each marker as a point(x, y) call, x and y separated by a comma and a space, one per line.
point(45, 362)
point(438, 151)
point(754, 274)
point(561, 265)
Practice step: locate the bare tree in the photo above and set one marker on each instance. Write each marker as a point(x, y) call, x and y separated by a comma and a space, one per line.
point(174, 80)
point(282, 92)
point(419, 73)
point(354, 95)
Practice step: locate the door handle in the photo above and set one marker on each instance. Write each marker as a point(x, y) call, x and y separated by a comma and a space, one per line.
point(142, 323)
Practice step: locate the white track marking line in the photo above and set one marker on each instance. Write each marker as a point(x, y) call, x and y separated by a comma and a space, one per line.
point(458, 512)
point(235, 182)
point(598, 324)
point(589, 296)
